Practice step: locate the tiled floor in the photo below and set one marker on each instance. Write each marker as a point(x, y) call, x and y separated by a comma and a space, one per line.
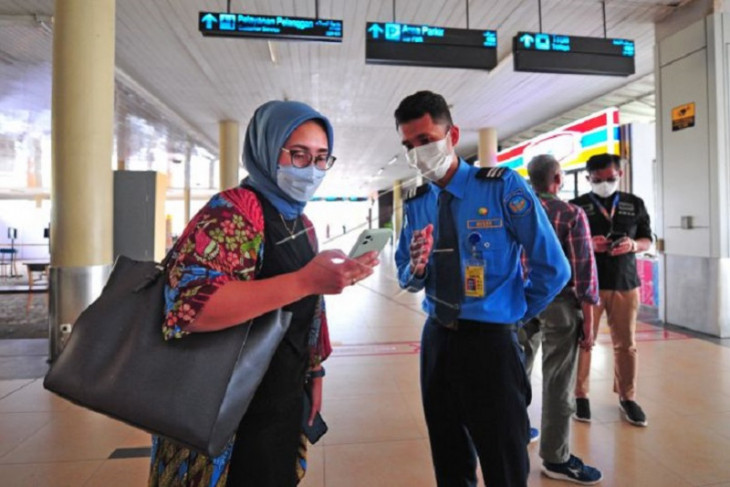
point(377, 434)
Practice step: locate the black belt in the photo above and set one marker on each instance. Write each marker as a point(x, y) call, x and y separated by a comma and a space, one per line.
point(471, 325)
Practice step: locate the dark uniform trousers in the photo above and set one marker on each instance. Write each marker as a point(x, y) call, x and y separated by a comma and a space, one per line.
point(475, 396)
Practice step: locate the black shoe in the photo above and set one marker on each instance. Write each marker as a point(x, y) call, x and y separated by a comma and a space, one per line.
point(574, 470)
point(582, 409)
point(633, 413)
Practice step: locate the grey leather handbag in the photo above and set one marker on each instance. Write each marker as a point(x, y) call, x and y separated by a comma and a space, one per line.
point(193, 390)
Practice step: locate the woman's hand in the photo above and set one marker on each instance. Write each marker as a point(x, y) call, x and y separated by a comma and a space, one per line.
point(331, 271)
point(316, 389)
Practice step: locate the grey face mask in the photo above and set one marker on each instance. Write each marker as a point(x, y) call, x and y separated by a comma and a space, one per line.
point(299, 183)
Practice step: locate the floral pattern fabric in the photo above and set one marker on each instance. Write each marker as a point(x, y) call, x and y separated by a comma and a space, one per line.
point(224, 244)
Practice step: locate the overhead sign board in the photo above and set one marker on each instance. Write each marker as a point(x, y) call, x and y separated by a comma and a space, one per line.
point(555, 53)
point(226, 24)
point(428, 45)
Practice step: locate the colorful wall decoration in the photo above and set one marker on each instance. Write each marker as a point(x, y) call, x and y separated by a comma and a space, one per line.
point(571, 144)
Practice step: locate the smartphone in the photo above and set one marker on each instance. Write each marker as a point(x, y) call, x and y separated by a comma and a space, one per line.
point(318, 427)
point(371, 239)
point(615, 238)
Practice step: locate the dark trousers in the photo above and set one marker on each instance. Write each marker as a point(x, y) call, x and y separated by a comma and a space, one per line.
point(475, 396)
point(267, 441)
point(265, 452)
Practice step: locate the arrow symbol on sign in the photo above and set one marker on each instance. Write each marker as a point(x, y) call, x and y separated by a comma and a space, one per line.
point(209, 20)
point(376, 30)
point(527, 40)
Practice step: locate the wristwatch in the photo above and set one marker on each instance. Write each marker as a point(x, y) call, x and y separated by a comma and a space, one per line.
point(315, 374)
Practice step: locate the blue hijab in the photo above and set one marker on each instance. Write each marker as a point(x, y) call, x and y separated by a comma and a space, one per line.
point(270, 127)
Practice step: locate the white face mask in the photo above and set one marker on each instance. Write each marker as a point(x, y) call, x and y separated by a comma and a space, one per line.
point(432, 160)
point(605, 188)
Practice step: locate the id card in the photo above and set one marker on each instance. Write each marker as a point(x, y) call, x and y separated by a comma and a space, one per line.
point(474, 279)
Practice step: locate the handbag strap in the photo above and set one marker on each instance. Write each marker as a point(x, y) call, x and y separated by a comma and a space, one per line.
point(160, 267)
point(189, 228)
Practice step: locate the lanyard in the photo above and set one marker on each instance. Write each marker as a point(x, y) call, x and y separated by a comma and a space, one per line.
point(604, 211)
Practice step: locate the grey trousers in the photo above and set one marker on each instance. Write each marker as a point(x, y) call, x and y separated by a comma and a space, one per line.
point(557, 329)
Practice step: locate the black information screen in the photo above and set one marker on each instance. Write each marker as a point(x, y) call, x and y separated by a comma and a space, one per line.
point(555, 53)
point(226, 24)
point(428, 45)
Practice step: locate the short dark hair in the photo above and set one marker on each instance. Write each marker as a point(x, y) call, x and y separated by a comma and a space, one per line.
point(542, 169)
point(421, 103)
point(602, 161)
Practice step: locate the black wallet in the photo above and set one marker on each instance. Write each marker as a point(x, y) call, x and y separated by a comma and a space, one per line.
point(318, 427)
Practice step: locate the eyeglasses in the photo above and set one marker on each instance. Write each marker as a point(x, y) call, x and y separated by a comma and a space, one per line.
point(302, 159)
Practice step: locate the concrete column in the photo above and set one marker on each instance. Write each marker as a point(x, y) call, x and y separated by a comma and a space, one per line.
point(488, 147)
point(35, 173)
point(230, 153)
point(692, 72)
point(82, 138)
point(186, 189)
point(397, 208)
point(122, 135)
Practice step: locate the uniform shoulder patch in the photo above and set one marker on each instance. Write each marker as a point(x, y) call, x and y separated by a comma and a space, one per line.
point(518, 203)
point(416, 192)
point(492, 172)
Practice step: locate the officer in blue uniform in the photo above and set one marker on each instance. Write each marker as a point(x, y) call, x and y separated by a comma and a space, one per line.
point(462, 238)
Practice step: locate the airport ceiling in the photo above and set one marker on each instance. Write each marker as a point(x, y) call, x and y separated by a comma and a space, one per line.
point(166, 68)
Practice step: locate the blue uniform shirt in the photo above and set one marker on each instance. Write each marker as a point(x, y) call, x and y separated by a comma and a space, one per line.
point(506, 217)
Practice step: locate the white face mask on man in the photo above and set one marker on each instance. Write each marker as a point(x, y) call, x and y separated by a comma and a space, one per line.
point(432, 160)
point(604, 189)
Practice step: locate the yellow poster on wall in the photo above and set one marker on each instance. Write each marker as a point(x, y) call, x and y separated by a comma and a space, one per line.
point(683, 116)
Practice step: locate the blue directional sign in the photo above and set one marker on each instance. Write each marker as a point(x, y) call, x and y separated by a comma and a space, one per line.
point(556, 53)
point(428, 45)
point(226, 24)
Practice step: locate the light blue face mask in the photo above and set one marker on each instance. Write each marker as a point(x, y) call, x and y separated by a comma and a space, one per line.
point(299, 183)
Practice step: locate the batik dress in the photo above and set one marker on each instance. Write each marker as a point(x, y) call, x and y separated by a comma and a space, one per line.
point(240, 236)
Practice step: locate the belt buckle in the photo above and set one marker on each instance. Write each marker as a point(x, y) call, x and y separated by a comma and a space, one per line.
point(451, 325)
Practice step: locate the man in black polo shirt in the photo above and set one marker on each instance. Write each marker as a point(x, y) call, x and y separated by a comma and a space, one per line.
point(619, 228)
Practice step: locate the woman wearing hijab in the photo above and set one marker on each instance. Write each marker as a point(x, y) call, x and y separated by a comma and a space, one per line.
point(251, 250)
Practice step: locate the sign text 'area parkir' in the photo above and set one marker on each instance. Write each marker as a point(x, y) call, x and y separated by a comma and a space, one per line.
point(431, 46)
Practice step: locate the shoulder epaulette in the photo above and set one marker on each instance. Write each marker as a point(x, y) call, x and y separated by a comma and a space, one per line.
point(416, 192)
point(492, 172)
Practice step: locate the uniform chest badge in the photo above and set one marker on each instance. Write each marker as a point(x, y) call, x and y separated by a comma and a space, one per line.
point(483, 211)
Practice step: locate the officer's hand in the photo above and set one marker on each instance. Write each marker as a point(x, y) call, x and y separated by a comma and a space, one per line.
point(421, 246)
point(623, 246)
point(601, 244)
